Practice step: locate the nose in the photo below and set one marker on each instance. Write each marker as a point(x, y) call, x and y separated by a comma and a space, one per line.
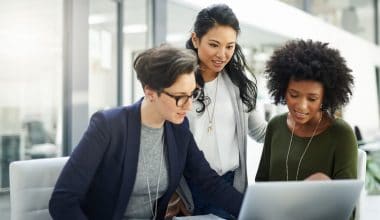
point(188, 105)
point(221, 53)
point(302, 105)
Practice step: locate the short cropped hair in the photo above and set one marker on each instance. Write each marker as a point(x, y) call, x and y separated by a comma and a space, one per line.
point(159, 67)
point(310, 60)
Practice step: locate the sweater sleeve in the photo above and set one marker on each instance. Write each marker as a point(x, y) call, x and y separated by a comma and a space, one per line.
point(264, 165)
point(256, 126)
point(346, 153)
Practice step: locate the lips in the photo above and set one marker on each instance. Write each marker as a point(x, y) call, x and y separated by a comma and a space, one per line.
point(218, 64)
point(300, 114)
point(182, 114)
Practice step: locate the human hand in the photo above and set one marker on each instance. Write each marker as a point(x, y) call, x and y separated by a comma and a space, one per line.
point(176, 207)
point(318, 176)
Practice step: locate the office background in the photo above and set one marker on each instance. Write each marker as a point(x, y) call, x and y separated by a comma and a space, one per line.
point(62, 60)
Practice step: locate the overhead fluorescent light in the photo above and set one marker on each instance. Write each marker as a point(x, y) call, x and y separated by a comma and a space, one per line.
point(177, 37)
point(98, 19)
point(135, 29)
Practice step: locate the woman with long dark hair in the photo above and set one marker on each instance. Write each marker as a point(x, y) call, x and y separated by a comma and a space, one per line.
point(222, 118)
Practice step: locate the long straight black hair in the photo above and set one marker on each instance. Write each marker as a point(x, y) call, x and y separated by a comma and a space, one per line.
point(221, 14)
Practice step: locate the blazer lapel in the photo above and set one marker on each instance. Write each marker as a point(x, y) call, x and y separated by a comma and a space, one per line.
point(130, 161)
point(172, 156)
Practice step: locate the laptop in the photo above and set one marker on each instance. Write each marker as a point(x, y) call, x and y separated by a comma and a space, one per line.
point(303, 200)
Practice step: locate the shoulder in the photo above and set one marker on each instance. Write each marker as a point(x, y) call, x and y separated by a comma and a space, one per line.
point(114, 115)
point(277, 120)
point(277, 125)
point(341, 127)
point(121, 114)
point(227, 80)
point(118, 118)
point(342, 134)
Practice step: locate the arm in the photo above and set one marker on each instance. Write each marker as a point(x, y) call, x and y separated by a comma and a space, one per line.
point(318, 176)
point(79, 171)
point(256, 126)
point(264, 165)
point(346, 154)
point(198, 170)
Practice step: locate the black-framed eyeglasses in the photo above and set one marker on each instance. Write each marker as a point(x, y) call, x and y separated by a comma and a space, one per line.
point(181, 100)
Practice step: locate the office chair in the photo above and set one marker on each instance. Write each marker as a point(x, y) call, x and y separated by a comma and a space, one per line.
point(31, 186)
point(362, 162)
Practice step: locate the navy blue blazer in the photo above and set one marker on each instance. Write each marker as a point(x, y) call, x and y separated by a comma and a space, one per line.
point(97, 180)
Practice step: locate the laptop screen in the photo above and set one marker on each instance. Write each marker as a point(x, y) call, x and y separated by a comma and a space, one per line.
point(334, 199)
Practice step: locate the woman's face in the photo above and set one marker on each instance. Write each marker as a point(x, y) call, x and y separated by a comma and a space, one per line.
point(166, 102)
point(304, 99)
point(215, 48)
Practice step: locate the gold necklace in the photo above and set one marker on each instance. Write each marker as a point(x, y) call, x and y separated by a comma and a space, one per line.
point(304, 152)
point(211, 118)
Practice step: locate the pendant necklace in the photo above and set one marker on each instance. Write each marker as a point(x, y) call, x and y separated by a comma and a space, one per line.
point(211, 116)
point(304, 152)
point(153, 209)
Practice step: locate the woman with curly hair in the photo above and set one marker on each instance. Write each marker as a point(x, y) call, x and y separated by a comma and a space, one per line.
point(308, 142)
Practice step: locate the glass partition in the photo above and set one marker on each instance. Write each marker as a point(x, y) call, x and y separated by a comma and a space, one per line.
point(30, 81)
point(136, 30)
point(354, 16)
point(102, 55)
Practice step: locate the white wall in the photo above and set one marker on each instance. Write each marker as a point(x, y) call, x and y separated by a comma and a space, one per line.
point(362, 56)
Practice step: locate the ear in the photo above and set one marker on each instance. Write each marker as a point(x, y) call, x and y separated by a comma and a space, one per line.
point(149, 93)
point(195, 39)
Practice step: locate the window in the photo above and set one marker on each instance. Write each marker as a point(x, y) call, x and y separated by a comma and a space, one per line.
point(30, 81)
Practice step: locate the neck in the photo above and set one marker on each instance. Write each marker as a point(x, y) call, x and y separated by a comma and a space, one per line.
point(208, 75)
point(306, 130)
point(150, 116)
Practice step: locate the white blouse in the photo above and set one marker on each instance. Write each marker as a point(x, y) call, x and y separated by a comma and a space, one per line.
point(219, 145)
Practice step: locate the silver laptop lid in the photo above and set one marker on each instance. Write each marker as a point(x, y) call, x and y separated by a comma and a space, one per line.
point(304, 200)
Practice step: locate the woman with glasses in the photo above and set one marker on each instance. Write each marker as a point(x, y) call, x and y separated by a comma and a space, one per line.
point(221, 120)
point(131, 159)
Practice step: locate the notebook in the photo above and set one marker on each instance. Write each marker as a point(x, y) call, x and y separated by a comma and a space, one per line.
point(295, 200)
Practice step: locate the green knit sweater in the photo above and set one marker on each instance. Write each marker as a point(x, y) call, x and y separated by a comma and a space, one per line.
point(333, 152)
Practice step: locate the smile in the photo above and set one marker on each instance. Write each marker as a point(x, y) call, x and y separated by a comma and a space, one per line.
point(218, 62)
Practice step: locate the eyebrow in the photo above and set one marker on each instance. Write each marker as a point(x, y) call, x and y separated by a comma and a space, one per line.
point(215, 41)
point(183, 93)
point(179, 93)
point(313, 94)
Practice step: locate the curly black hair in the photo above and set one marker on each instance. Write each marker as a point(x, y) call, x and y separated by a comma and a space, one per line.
point(310, 60)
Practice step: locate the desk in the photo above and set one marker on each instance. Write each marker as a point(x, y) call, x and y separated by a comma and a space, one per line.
point(199, 217)
point(370, 147)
